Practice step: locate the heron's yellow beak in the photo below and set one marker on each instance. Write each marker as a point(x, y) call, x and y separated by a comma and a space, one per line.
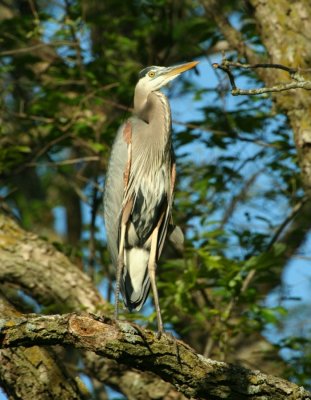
point(178, 69)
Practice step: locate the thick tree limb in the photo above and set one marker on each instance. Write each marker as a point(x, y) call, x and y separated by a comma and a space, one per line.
point(35, 373)
point(136, 385)
point(191, 373)
point(24, 258)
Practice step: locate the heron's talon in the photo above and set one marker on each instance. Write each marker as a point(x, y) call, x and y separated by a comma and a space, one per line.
point(160, 333)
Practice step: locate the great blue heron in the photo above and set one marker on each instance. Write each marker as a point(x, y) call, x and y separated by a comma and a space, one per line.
point(139, 190)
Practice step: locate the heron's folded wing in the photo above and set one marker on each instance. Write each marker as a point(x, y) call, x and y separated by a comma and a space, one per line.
point(114, 191)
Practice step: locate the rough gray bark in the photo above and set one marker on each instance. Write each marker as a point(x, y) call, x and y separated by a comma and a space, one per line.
point(172, 360)
point(43, 272)
point(285, 28)
point(34, 372)
point(135, 384)
point(48, 276)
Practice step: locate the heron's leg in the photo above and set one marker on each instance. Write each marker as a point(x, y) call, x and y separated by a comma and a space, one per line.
point(120, 265)
point(151, 270)
point(127, 136)
point(119, 271)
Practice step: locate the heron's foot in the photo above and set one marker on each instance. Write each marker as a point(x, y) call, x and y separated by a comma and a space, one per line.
point(160, 333)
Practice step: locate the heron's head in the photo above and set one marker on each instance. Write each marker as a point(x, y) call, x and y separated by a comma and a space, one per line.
point(154, 78)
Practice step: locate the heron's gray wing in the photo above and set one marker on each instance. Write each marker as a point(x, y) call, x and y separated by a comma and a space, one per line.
point(119, 194)
point(174, 243)
point(167, 222)
point(148, 184)
point(114, 192)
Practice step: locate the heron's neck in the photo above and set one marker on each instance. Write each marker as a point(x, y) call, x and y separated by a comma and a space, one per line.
point(154, 140)
point(160, 111)
point(155, 110)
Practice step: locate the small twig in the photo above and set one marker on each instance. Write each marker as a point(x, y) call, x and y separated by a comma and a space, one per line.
point(251, 274)
point(254, 66)
point(34, 11)
point(50, 144)
point(296, 209)
point(38, 118)
point(297, 81)
point(65, 162)
point(227, 69)
point(34, 47)
point(237, 198)
point(277, 88)
point(290, 70)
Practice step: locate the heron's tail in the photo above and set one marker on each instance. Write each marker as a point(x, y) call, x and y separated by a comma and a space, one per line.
point(135, 284)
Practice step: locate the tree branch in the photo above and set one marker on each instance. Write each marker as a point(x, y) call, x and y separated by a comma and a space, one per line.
point(172, 360)
point(297, 81)
point(136, 385)
point(23, 371)
point(24, 258)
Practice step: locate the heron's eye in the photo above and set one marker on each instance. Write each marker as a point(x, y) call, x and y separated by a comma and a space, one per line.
point(151, 74)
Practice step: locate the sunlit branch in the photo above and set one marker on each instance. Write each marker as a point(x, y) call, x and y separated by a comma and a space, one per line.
point(297, 80)
point(169, 358)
